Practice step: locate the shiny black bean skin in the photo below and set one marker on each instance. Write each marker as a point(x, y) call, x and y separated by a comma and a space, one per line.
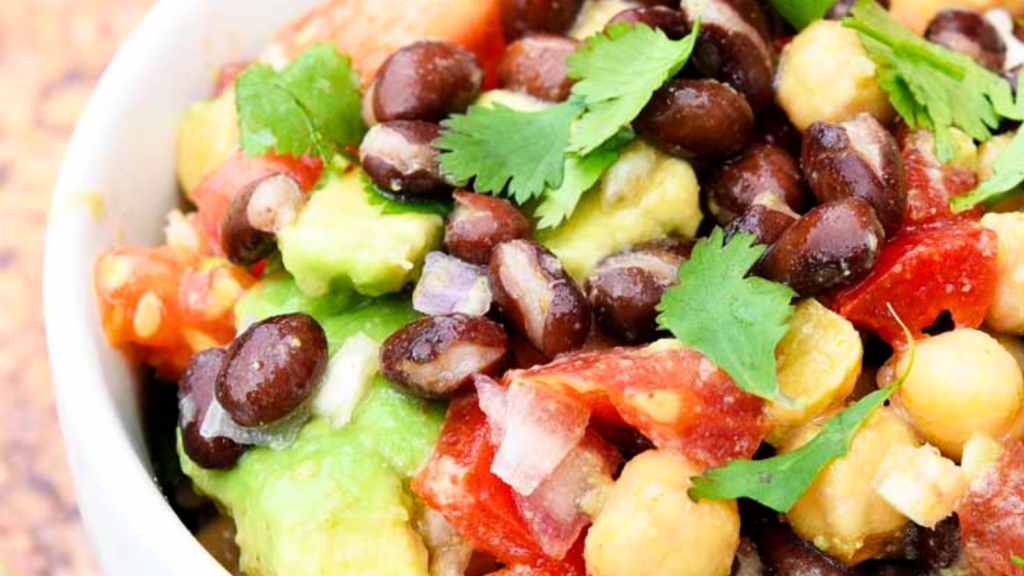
point(436, 356)
point(246, 242)
point(479, 223)
point(785, 554)
point(195, 393)
point(625, 288)
point(832, 246)
point(671, 22)
point(697, 120)
point(536, 65)
point(857, 158)
point(425, 81)
point(766, 220)
point(538, 298)
point(732, 187)
point(399, 157)
point(521, 17)
point(271, 369)
point(968, 32)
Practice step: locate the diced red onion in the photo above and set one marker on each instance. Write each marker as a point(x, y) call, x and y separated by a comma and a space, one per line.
point(450, 286)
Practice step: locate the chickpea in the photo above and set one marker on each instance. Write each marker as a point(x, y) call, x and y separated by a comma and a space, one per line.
point(962, 383)
point(811, 88)
point(649, 526)
point(840, 512)
point(1006, 315)
point(818, 363)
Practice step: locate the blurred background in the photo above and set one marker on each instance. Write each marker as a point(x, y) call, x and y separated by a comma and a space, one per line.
point(51, 54)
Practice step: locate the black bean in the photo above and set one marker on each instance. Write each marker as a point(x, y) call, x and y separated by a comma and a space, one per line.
point(625, 288)
point(401, 160)
point(481, 222)
point(249, 225)
point(195, 393)
point(435, 356)
point(762, 168)
point(536, 65)
point(841, 9)
point(271, 369)
point(832, 246)
point(968, 32)
point(785, 554)
point(423, 81)
point(535, 294)
point(671, 22)
point(697, 119)
point(766, 219)
point(521, 17)
point(858, 158)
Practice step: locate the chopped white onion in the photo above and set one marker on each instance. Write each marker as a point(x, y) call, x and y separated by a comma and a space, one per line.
point(542, 427)
point(280, 434)
point(347, 379)
point(451, 286)
point(493, 398)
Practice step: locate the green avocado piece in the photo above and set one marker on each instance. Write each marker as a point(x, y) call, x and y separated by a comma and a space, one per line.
point(342, 237)
point(277, 294)
point(336, 502)
point(207, 136)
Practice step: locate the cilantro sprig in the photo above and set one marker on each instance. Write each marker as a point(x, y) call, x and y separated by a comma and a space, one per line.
point(554, 156)
point(1007, 176)
point(310, 107)
point(800, 13)
point(734, 319)
point(778, 482)
point(617, 72)
point(931, 86)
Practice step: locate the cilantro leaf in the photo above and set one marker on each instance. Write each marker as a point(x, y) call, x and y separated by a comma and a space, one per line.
point(500, 147)
point(311, 107)
point(581, 174)
point(1017, 560)
point(1006, 178)
point(618, 71)
point(779, 482)
point(800, 13)
point(377, 197)
point(930, 86)
point(734, 320)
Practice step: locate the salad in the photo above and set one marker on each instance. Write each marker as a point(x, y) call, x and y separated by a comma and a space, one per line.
point(596, 287)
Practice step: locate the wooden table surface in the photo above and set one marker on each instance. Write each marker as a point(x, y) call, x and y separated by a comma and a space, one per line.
point(51, 53)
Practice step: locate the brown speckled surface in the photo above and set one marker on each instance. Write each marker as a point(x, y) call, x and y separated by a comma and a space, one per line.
point(51, 53)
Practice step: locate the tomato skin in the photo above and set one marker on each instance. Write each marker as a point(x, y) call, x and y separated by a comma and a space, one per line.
point(930, 185)
point(214, 194)
point(673, 395)
point(573, 565)
point(457, 482)
point(948, 266)
point(163, 306)
point(992, 516)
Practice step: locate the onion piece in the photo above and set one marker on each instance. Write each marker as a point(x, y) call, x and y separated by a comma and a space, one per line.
point(542, 427)
point(347, 379)
point(450, 554)
point(493, 399)
point(567, 500)
point(451, 286)
point(279, 435)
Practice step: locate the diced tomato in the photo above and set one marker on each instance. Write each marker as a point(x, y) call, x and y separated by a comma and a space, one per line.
point(371, 30)
point(992, 516)
point(573, 565)
point(214, 194)
point(164, 306)
point(673, 395)
point(930, 185)
point(923, 272)
point(457, 482)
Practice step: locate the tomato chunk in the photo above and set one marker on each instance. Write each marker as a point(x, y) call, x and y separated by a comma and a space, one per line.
point(930, 185)
point(673, 395)
point(214, 194)
point(573, 565)
point(164, 306)
point(923, 272)
point(371, 30)
point(992, 516)
point(458, 483)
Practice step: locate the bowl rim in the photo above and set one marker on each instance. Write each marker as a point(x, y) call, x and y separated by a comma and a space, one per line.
point(110, 472)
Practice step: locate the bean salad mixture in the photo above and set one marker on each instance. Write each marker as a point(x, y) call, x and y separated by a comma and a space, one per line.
point(596, 288)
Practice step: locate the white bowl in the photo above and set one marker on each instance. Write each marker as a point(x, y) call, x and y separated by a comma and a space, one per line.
point(123, 151)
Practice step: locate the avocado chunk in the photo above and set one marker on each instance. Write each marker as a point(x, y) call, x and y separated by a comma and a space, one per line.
point(336, 502)
point(342, 237)
point(645, 195)
point(207, 136)
point(277, 294)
